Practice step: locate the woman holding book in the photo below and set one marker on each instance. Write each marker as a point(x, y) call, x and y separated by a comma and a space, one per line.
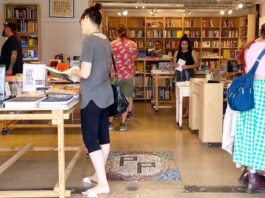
point(96, 97)
point(188, 60)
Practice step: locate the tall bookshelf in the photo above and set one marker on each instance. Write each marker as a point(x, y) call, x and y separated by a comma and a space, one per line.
point(27, 17)
point(216, 39)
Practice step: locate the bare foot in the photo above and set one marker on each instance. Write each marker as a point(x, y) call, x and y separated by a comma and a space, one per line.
point(98, 189)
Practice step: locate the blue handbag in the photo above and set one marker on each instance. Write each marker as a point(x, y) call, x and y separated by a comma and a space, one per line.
point(241, 92)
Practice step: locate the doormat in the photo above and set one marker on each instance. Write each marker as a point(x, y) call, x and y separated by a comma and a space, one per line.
point(141, 166)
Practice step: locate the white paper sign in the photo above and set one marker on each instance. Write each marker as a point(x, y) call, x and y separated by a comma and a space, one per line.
point(181, 62)
point(34, 75)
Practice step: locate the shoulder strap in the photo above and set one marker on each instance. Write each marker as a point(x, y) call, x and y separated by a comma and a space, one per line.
point(256, 64)
point(114, 66)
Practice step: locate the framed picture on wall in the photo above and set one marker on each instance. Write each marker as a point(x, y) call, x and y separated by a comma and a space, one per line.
point(61, 8)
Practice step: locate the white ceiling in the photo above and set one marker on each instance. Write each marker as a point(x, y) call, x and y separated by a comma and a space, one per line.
point(193, 4)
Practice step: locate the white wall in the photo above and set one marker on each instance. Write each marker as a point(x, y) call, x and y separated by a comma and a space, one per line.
point(58, 35)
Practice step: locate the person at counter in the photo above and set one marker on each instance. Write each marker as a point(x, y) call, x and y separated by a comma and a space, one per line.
point(158, 51)
point(189, 57)
point(11, 53)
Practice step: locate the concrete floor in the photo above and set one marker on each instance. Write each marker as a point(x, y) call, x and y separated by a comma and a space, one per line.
point(199, 165)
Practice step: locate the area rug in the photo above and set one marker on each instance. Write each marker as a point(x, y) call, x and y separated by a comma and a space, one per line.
point(141, 166)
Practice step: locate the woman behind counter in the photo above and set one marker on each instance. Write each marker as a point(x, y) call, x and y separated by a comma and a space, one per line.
point(186, 53)
point(96, 97)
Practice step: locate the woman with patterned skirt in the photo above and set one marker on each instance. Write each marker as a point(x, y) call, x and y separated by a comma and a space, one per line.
point(249, 148)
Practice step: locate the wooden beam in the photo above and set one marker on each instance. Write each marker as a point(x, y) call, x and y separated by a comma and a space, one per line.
point(42, 126)
point(33, 193)
point(14, 158)
point(71, 166)
point(27, 116)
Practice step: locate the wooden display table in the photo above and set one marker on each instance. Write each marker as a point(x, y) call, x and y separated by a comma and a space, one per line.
point(182, 90)
point(57, 116)
point(206, 110)
point(158, 75)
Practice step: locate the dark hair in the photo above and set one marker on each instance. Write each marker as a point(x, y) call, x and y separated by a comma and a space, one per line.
point(158, 41)
point(93, 13)
point(184, 38)
point(122, 32)
point(262, 31)
point(12, 26)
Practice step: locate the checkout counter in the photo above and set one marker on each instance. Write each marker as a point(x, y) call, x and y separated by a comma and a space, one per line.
point(206, 109)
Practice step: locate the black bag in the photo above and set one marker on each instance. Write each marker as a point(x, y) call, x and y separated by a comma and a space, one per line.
point(120, 104)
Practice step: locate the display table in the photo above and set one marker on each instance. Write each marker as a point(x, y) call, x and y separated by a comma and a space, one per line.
point(57, 116)
point(206, 109)
point(158, 75)
point(182, 90)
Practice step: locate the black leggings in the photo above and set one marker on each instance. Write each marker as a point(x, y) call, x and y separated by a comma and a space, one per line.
point(94, 124)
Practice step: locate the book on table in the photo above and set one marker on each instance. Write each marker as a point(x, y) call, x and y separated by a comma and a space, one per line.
point(27, 102)
point(64, 74)
point(57, 100)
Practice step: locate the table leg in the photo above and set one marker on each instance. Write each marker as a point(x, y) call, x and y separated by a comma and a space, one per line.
point(180, 110)
point(177, 105)
point(61, 154)
point(156, 92)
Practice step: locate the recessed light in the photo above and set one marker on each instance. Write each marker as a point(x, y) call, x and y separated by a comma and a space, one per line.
point(119, 13)
point(240, 5)
point(222, 12)
point(125, 13)
point(230, 11)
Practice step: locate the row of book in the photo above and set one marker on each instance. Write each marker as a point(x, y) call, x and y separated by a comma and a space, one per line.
point(138, 92)
point(173, 33)
point(154, 34)
point(205, 64)
point(172, 44)
point(230, 54)
point(21, 12)
point(140, 43)
point(136, 34)
point(243, 33)
point(170, 24)
point(210, 34)
point(31, 40)
point(229, 43)
point(193, 34)
point(27, 26)
point(188, 23)
point(148, 93)
point(230, 33)
point(207, 23)
point(164, 93)
point(139, 80)
point(210, 53)
point(227, 23)
point(210, 44)
point(30, 55)
point(195, 43)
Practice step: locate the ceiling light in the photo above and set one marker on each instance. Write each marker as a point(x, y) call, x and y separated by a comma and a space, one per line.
point(125, 13)
point(230, 11)
point(189, 12)
point(151, 12)
point(222, 12)
point(143, 6)
point(240, 5)
point(183, 14)
point(119, 13)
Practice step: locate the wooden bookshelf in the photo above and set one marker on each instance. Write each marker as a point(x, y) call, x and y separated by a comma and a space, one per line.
point(28, 19)
point(216, 39)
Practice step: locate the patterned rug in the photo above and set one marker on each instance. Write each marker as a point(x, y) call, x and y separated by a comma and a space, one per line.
point(141, 166)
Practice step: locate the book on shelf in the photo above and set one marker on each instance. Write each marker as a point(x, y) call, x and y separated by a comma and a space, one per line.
point(154, 33)
point(136, 34)
point(207, 23)
point(27, 26)
point(21, 12)
point(140, 44)
point(210, 44)
point(138, 92)
point(31, 40)
point(170, 24)
point(149, 93)
point(227, 23)
point(188, 23)
point(148, 80)
point(30, 54)
point(139, 66)
point(229, 43)
point(164, 93)
point(230, 33)
point(210, 34)
point(230, 54)
point(139, 80)
point(172, 44)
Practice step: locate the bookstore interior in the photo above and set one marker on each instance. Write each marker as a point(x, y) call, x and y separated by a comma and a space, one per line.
point(175, 127)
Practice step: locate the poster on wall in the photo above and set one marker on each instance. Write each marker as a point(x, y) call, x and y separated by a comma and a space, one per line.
point(61, 8)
